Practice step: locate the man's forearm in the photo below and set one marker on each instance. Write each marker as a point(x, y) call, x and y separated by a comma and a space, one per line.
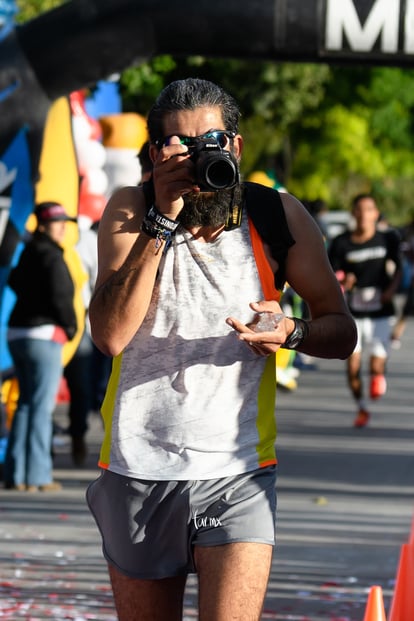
point(119, 304)
point(330, 336)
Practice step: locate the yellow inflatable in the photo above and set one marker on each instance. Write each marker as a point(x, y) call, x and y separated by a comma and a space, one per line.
point(59, 181)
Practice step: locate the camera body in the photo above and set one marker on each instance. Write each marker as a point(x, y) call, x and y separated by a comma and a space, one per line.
point(216, 168)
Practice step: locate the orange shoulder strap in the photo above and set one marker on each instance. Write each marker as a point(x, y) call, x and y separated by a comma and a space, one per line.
point(267, 278)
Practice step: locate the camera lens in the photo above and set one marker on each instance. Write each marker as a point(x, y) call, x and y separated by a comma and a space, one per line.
point(216, 171)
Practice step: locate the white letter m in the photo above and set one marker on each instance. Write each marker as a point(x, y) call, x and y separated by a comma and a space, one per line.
point(342, 19)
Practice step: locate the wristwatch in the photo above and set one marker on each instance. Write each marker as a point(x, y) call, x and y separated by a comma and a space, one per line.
point(300, 332)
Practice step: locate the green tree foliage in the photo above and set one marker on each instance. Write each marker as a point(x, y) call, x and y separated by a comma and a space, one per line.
point(325, 132)
point(359, 139)
point(29, 9)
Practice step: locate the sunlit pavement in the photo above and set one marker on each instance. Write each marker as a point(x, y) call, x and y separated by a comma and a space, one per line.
point(345, 506)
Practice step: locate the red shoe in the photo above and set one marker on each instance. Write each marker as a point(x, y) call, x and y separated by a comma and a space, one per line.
point(361, 419)
point(378, 386)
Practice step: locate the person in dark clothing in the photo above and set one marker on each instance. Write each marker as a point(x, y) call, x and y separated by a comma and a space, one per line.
point(407, 283)
point(42, 320)
point(81, 369)
point(362, 259)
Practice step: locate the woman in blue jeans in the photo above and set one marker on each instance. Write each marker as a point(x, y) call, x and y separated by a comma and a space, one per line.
point(42, 320)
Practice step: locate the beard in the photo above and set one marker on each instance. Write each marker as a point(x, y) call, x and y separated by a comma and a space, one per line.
point(209, 208)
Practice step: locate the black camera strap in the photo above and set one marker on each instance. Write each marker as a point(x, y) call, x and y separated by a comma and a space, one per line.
point(265, 208)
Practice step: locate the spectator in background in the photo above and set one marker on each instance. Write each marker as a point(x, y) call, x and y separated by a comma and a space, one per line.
point(361, 259)
point(101, 364)
point(79, 371)
point(42, 320)
point(407, 248)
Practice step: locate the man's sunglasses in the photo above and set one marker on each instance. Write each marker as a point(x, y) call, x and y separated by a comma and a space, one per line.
point(221, 136)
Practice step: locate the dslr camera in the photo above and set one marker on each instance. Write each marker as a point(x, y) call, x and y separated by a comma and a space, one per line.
point(216, 168)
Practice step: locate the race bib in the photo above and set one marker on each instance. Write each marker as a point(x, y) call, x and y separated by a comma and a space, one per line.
point(365, 299)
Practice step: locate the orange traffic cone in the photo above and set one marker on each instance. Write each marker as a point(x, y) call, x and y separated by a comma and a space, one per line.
point(402, 605)
point(375, 606)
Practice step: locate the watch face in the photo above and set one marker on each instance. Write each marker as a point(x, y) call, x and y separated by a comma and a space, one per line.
point(295, 340)
point(296, 337)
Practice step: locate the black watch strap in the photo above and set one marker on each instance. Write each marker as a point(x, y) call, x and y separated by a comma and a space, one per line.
point(298, 335)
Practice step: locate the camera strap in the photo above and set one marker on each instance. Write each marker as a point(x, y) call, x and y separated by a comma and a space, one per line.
point(234, 217)
point(265, 210)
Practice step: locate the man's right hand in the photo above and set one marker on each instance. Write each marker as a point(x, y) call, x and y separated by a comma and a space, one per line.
point(173, 176)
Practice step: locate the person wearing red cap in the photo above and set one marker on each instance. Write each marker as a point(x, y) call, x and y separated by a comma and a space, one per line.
point(49, 212)
point(42, 320)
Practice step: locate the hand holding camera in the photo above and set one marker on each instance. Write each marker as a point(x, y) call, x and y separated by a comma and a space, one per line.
point(216, 168)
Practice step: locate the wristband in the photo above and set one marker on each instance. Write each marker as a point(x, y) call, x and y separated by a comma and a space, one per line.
point(156, 217)
point(159, 227)
point(157, 233)
point(299, 334)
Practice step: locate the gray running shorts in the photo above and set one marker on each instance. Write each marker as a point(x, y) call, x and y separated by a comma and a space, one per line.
point(149, 528)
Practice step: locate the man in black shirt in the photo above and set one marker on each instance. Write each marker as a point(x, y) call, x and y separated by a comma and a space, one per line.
point(367, 263)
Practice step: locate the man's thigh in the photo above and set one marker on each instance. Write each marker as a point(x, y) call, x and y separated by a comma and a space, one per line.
point(147, 600)
point(232, 580)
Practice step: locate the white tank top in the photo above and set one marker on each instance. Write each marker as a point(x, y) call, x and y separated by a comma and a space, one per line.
point(187, 399)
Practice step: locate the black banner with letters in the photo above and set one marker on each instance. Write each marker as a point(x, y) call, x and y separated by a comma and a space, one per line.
point(86, 40)
point(83, 41)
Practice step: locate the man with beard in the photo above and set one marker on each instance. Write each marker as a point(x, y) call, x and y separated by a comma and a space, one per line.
point(188, 458)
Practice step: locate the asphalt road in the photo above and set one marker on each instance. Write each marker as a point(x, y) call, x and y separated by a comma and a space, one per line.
point(345, 507)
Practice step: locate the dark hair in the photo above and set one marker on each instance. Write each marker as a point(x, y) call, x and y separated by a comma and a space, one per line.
point(144, 158)
point(360, 197)
point(191, 94)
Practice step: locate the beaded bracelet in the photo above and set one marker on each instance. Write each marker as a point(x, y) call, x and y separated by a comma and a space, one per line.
point(157, 232)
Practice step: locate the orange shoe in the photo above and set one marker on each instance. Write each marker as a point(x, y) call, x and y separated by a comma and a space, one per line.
point(362, 419)
point(378, 386)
